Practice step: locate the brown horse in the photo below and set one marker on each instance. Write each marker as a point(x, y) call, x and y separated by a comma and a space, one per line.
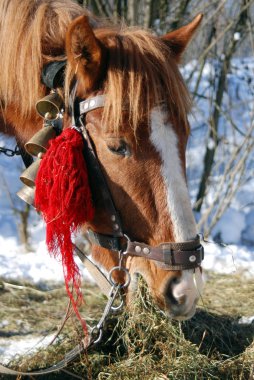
point(139, 135)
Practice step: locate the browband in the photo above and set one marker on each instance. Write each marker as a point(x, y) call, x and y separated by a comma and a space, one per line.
point(91, 104)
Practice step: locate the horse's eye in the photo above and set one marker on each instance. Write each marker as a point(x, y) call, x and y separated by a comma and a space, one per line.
point(119, 147)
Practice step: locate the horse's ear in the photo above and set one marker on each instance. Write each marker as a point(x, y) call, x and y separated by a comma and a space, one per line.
point(179, 39)
point(84, 51)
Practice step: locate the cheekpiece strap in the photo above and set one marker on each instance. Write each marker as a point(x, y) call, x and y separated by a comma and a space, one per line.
point(113, 243)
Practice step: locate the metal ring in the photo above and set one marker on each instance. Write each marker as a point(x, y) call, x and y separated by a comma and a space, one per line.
point(98, 331)
point(127, 237)
point(127, 281)
point(123, 252)
point(116, 308)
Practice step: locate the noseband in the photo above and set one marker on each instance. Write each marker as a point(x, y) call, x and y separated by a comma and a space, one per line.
point(169, 255)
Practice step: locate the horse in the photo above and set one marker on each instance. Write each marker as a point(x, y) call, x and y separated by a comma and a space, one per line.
point(139, 135)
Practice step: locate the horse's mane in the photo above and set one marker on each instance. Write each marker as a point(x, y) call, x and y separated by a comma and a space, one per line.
point(141, 71)
point(141, 74)
point(32, 32)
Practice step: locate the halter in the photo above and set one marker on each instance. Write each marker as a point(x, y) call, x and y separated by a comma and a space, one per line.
point(167, 255)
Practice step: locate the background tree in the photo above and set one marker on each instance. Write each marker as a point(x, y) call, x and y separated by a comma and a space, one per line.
point(226, 33)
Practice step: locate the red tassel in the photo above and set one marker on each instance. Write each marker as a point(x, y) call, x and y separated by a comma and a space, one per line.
point(63, 196)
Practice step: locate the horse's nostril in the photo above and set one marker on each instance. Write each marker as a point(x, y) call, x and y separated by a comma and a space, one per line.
point(181, 300)
point(169, 292)
point(174, 281)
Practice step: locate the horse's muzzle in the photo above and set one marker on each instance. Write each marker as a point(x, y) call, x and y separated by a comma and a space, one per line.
point(181, 295)
point(181, 311)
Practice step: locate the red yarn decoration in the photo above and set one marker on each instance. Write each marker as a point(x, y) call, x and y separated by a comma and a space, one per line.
point(64, 198)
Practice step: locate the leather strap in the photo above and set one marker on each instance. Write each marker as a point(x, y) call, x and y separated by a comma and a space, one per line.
point(171, 256)
point(26, 158)
point(53, 74)
point(91, 104)
point(100, 279)
point(98, 181)
point(113, 243)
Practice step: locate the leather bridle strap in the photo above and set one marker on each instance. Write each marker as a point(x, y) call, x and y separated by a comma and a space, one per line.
point(100, 279)
point(172, 256)
point(113, 243)
point(95, 172)
point(96, 176)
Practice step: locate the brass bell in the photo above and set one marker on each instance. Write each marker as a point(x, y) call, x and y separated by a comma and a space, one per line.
point(28, 176)
point(50, 106)
point(39, 142)
point(26, 193)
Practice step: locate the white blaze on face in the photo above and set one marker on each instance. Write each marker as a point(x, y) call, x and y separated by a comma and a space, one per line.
point(165, 142)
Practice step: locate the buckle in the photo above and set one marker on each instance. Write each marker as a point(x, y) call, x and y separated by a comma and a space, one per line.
point(201, 250)
point(197, 256)
point(168, 255)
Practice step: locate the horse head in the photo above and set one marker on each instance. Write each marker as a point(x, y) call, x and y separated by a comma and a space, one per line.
point(139, 137)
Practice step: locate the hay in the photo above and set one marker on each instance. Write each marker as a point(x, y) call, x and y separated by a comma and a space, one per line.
point(210, 346)
point(143, 344)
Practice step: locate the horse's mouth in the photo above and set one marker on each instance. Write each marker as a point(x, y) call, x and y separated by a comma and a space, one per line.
point(186, 316)
point(181, 312)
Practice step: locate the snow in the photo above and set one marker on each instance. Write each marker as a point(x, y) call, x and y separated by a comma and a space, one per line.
point(24, 346)
point(229, 259)
point(237, 36)
point(231, 226)
point(36, 267)
point(246, 320)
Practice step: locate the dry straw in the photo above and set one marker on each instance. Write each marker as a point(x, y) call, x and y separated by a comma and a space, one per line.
point(143, 344)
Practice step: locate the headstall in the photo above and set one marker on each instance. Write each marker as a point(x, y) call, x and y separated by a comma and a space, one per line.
point(168, 255)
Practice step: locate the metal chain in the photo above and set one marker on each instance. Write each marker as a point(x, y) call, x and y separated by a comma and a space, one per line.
point(10, 152)
point(116, 289)
point(97, 331)
point(120, 268)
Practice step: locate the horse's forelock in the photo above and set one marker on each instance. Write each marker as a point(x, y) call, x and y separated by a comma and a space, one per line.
point(141, 73)
point(31, 34)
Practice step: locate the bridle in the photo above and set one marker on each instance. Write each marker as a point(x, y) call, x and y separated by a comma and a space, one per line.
point(167, 255)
